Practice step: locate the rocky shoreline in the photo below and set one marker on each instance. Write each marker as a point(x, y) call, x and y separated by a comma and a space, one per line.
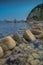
point(23, 50)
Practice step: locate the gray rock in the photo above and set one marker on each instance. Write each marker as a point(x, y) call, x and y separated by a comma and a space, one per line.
point(17, 37)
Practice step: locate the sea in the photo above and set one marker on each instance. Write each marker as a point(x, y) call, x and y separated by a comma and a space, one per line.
point(14, 10)
point(11, 28)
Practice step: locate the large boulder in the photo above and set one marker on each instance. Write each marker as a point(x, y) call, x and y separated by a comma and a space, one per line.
point(29, 36)
point(9, 42)
point(1, 52)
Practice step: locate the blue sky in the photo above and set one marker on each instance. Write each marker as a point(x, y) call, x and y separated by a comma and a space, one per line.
point(19, 9)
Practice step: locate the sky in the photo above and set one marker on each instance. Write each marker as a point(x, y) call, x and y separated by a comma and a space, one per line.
point(17, 9)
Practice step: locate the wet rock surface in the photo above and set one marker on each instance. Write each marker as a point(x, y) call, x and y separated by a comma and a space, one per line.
point(17, 50)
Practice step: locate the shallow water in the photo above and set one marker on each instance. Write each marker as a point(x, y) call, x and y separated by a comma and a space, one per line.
point(10, 28)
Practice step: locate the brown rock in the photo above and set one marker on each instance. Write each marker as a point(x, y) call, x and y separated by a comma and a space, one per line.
point(4, 46)
point(9, 42)
point(35, 55)
point(36, 31)
point(27, 64)
point(36, 26)
point(7, 53)
point(25, 41)
point(2, 61)
point(29, 36)
point(35, 62)
point(39, 36)
point(30, 58)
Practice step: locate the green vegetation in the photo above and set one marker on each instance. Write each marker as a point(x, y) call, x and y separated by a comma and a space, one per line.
point(37, 13)
point(35, 18)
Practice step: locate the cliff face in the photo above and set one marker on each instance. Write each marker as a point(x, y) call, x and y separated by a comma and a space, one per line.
point(36, 13)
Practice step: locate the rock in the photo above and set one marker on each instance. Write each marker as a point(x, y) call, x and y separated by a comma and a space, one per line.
point(30, 58)
point(39, 36)
point(22, 46)
point(35, 55)
point(1, 52)
point(40, 52)
point(5, 64)
point(35, 50)
point(22, 28)
point(27, 64)
point(30, 47)
point(35, 62)
point(40, 47)
point(36, 31)
point(17, 50)
point(2, 61)
point(4, 46)
point(24, 40)
point(12, 58)
point(36, 26)
point(29, 36)
point(12, 61)
point(9, 42)
point(8, 53)
point(17, 37)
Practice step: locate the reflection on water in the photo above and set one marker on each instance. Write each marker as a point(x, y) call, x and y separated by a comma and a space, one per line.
point(10, 28)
